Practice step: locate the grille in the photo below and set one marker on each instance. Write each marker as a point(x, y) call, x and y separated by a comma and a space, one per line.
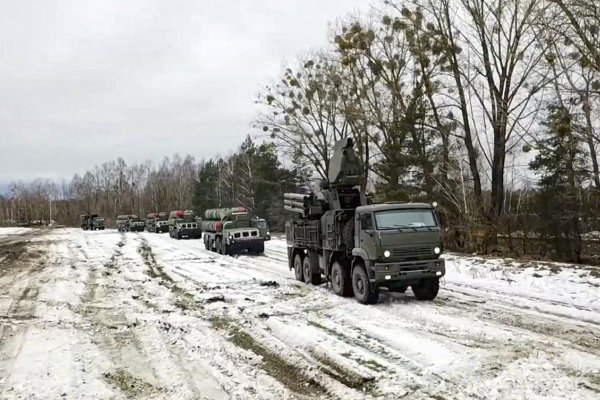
point(412, 252)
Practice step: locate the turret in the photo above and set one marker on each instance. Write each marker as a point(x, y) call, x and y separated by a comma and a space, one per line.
point(340, 192)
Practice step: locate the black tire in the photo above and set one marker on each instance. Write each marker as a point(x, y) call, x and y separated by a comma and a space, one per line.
point(218, 245)
point(348, 234)
point(427, 289)
point(341, 280)
point(224, 249)
point(363, 291)
point(178, 235)
point(259, 248)
point(206, 245)
point(298, 267)
point(311, 275)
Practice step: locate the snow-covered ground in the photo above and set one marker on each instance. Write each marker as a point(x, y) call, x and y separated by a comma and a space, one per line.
point(122, 315)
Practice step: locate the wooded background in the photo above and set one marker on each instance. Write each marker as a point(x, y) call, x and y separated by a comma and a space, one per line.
point(488, 107)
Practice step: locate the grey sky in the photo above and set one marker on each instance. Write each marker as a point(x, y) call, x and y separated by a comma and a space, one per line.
point(83, 82)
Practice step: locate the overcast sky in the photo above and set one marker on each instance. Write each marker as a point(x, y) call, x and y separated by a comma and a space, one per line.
point(83, 82)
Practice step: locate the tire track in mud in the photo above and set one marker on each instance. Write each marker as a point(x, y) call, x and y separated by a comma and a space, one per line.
point(297, 380)
point(112, 331)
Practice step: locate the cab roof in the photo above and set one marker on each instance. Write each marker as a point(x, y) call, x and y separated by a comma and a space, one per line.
point(393, 206)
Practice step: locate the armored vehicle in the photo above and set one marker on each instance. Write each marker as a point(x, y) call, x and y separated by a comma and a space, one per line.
point(229, 231)
point(183, 225)
point(362, 247)
point(98, 223)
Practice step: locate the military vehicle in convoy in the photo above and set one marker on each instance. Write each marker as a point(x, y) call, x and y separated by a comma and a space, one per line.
point(229, 231)
point(183, 225)
point(262, 226)
point(362, 247)
point(122, 222)
point(85, 221)
point(98, 223)
point(135, 224)
point(157, 222)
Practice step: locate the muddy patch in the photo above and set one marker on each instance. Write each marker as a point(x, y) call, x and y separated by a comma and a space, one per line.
point(130, 385)
point(273, 364)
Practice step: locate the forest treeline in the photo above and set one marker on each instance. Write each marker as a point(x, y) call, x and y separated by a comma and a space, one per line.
point(488, 107)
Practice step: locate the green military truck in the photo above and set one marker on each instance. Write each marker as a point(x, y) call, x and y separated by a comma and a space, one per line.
point(122, 222)
point(230, 231)
point(183, 225)
point(161, 223)
point(98, 223)
point(362, 247)
point(263, 227)
point(85, 221)
point(135, 224)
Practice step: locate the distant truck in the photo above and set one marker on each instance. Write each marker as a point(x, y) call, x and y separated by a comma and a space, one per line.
point(262, 226)
point(362, 247)
point(230, 231)
point(86, 221)
point(183, 225)
point(157, 222)
point(135, 224)
point(98, 223)
point(122, 222)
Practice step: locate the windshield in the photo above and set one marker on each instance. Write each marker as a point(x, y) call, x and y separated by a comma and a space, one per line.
point(395, 219)
point(261, 224)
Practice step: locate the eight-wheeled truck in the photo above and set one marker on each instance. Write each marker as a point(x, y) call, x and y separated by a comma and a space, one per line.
point(229, 231)
point(362, 247)
point(183, 225)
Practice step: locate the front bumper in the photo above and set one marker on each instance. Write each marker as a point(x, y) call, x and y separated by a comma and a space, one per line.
point(407, 270)
point(162, 229)
point(137, 228)
point(190, 233)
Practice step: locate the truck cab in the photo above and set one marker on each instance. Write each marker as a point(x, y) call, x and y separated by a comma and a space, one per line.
point(399, 244)
point(98, 223)
point(262, 226)
point(135, 224)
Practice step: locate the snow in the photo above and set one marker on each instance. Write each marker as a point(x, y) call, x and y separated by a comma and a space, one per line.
point(118, 315)
point(14, 231)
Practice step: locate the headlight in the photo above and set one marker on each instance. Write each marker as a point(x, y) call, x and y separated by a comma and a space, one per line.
point(230, 237)
point(436, 250)
point(386, 253)
point(268, 233)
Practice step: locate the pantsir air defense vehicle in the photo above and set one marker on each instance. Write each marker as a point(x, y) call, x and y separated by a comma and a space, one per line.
point(362, 247)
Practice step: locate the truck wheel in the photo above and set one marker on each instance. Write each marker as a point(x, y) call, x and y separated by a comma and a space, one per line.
point(218, 245)
point(340, 280)
point(427, 289)
point(310, 275)
point(298, 270)
point(260, 248)
point(348, 234)
point(206, 246)
point(363, 290)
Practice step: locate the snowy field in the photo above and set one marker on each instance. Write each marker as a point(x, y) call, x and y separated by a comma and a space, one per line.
point(139, 315)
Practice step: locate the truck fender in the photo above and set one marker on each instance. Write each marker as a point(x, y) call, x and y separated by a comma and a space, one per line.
point(361, 254)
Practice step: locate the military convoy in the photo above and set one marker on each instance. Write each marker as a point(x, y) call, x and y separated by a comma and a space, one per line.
point(362, 247)
point(91, 222)
point(183, 225)
point(231, 231)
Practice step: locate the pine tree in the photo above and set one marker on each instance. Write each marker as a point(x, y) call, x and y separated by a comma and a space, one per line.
point(560, 164)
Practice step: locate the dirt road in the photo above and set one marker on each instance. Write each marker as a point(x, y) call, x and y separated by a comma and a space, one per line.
point(112, 315)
